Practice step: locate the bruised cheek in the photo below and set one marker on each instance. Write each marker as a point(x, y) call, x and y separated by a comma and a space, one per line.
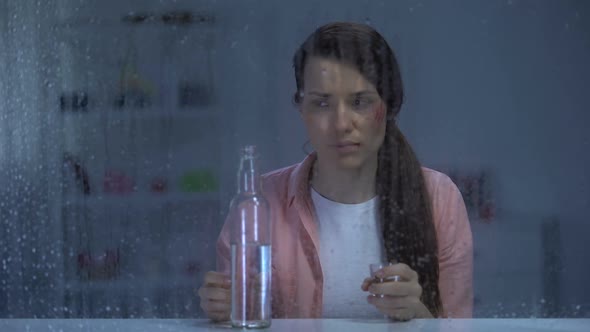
point(379, 114)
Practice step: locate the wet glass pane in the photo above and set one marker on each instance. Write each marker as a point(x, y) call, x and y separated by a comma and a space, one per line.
point(121, 124)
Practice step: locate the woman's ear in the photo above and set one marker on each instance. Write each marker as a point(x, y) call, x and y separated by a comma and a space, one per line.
point(298, 102)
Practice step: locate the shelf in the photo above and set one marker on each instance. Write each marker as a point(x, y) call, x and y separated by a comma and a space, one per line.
point(148, 20)
point(115, 31)
point(148, 199)
point(131, 114)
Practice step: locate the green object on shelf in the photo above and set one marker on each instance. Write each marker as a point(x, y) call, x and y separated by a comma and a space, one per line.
point(199, 181)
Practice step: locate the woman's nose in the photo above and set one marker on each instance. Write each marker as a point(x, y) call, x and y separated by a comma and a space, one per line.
point(343, 119)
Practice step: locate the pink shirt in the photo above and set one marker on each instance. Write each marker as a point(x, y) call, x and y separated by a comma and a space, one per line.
point(297, 280)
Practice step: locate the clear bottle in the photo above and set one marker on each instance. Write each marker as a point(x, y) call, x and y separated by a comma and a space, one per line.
point(250, 248)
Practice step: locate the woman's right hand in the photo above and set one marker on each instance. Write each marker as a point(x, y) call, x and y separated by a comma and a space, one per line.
point(215, 294)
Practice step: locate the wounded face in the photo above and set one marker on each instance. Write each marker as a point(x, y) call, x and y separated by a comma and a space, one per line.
point(343, 113)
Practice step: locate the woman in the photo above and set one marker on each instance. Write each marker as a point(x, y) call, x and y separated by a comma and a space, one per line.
point(361, 197)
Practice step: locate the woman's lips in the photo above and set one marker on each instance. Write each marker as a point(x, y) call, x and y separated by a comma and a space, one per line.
point(346, 147)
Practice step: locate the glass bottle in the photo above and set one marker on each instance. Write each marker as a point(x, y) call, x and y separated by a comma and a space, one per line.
point(250, 248)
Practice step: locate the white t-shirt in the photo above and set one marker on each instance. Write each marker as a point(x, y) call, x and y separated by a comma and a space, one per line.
point(350, 240)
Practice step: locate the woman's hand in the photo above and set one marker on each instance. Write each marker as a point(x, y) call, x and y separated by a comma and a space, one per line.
point(216, 296)
point(399, 300)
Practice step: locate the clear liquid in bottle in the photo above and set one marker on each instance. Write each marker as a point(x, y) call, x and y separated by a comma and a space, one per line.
point(250, 249)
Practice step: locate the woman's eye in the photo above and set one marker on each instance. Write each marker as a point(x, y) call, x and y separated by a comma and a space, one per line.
point(361, 102)
point(320, 103)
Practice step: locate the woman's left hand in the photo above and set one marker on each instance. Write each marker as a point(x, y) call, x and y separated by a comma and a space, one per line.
point(400, 300)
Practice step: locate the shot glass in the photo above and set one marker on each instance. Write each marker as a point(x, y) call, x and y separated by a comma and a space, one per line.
point(373, 268)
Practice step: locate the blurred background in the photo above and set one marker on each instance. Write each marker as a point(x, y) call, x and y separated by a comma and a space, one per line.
point(120, 124)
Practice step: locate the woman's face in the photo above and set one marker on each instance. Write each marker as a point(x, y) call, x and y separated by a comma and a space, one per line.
point(343, 113)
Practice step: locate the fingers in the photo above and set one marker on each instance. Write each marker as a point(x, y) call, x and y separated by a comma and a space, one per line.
point(217, 310)
point(215, 307)
point(402, 314)
point(400, 308)
point(213, 278)
point(369, 281)
point(219, 316)
point(366, 283)
point(391, 302)
point(400, 299)
point(215, 294)
point(396, 289)
point(402, 270)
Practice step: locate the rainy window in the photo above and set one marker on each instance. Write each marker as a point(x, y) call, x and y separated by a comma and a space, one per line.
point(122, 123)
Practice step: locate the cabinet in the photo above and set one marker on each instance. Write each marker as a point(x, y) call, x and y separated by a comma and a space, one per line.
point(141, 151)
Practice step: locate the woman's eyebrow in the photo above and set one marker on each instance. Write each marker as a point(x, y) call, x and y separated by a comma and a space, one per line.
point(320, 94)
point(363, 93)
point(358, 93)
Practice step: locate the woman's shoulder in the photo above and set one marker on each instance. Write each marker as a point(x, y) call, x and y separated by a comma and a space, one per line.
point(276, 183)
point(279, 176)
point(448, 207)
point(288, 181)
point(432, 176)
point(439, 185)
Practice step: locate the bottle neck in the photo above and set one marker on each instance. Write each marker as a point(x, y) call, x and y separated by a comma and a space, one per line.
point(248, 177)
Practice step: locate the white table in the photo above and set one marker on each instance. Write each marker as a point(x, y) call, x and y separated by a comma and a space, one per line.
point(297, 325)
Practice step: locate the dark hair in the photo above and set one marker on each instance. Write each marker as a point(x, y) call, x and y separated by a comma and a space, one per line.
point(405, 211)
